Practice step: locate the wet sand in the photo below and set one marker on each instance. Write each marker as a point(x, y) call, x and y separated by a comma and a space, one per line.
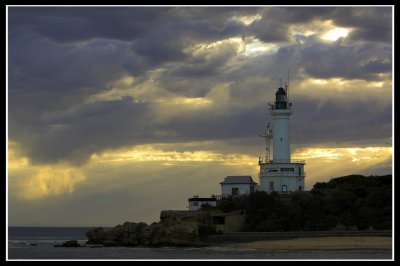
point(322, 243)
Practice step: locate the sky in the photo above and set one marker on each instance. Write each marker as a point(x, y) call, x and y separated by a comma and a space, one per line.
point(116, 113)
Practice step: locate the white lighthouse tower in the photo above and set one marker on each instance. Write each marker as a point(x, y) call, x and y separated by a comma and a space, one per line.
point(281, 173)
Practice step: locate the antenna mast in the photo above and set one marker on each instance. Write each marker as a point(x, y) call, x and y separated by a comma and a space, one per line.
point(287, 88)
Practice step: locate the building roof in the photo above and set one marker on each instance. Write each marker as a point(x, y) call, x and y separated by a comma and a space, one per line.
point(240, 179)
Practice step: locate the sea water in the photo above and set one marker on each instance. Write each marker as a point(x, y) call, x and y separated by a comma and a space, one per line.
point(37, 243)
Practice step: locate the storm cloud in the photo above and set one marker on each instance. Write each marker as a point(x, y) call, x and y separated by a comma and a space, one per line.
point(60, 57)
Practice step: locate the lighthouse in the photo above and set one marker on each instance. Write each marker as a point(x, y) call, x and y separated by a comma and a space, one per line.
point(280, 173)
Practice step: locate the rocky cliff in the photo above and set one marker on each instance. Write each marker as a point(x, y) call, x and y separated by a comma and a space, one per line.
point(176, 228)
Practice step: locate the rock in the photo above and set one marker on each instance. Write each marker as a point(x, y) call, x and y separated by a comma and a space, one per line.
point(147, 233)
point(69, 244)
point(176, 228)
point(95, 235)
point(127, 234)
point(182, 227)
point(171, 217)
point(177, 235)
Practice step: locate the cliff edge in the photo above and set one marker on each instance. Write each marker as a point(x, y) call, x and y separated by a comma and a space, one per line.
point(176, 228)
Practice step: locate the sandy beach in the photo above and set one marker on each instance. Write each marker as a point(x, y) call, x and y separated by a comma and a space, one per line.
point(322, 243)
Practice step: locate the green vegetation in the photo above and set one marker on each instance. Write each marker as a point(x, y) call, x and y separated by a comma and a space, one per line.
point(351, 202)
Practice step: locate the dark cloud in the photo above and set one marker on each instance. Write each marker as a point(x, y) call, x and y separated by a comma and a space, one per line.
point(377, 66)
point(367, 24)
point(209, 125)
point(76, 134)
point(45, 76)
point(336, 59)
point(209, 63)
point(74, 24)
point(276, 21)
point(340, 122)
point(126, 23)
point(299, 14)
point(189, 86)
point(156, 51)
point(370, 24)
point(268, 30)
point(60, 57)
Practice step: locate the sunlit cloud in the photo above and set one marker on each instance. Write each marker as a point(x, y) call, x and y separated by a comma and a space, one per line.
point(356, 153)
point(319, 81)
point(256, 47)
point(334, 34)
point(191, 102)
point(40, 181)
point(15, 160)
point(325, 163)
point(339, 88)
point(150, 153)
point(247, 20)
point(50, 180)
point(245, 46)
point(328, 154)
point(321, 163)
point(150, 90)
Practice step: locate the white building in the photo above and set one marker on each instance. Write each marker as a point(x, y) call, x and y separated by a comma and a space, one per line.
point(197, 203)
point(233, 186)
point(281, 173)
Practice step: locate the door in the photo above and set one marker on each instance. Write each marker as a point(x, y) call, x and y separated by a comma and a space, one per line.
point(251, 189)
point(235, 191)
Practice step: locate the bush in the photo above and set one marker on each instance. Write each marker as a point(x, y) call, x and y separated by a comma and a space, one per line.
point(350, 201)
point(225, 205)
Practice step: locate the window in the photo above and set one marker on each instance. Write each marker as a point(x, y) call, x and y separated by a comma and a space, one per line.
point(284, 188)
point(300, 188)
point(235, 191)
point(287, 169)
point(299, 170)
point(271, 186)
point(195, 203)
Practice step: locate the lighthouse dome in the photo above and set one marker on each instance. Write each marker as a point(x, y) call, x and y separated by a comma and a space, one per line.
point(280, 91)
point(281, 99)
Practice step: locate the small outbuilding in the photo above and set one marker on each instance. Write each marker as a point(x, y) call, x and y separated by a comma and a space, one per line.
point(229, 222)
point(234, 186)
point(197, 203)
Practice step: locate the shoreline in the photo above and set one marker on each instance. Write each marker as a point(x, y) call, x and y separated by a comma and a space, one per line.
point(339, 243)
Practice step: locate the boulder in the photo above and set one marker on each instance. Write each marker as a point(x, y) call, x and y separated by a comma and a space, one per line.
point(176, 228)
point(127, 234)
point(95, 235)
point(69, 244)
